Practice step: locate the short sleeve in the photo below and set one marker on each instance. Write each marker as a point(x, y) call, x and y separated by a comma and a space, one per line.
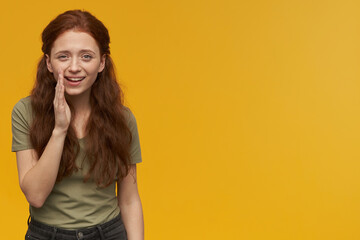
point(20, 119)
point(135, 150)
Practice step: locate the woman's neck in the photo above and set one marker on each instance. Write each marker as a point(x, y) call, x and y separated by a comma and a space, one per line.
point(81, 112)
point(80, 103)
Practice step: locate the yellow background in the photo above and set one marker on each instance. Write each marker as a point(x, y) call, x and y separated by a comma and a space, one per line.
point(248, 112)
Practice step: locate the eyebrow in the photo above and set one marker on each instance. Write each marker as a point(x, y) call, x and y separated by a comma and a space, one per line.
point(81, 51)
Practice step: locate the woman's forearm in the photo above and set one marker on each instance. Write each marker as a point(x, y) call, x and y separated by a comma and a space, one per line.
point(132, 216)
point(38, 182)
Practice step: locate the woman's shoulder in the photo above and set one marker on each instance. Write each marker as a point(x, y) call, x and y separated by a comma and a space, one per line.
point(129, 116)
point(21, 118)
point(23, 103)
point(128, 113)
point(23, 106)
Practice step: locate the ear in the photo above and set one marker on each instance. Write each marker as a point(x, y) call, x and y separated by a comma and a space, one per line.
point(48, 63)
point(102, 63)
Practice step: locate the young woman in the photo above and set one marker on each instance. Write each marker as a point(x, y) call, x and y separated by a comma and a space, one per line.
point(74, 139)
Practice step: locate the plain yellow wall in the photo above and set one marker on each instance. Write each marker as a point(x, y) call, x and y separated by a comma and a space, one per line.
point(248, 112)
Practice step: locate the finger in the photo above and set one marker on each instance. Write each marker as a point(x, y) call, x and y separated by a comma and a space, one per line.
point(56, 97)
point(61, 87)
point(62, 95)
point(60, 77)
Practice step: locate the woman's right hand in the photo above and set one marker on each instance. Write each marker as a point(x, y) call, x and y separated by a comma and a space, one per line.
point(37, 174)
point(61, 108)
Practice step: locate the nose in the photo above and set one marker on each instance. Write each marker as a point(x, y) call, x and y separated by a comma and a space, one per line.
point(74, 65)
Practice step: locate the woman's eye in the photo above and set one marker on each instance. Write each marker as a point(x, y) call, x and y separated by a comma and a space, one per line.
point(62, 57)
point(87, 57)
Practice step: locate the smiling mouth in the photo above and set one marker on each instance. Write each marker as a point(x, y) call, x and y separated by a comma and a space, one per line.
point(73, 79)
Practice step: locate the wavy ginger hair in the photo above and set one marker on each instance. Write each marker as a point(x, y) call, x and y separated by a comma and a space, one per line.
point(108, 137)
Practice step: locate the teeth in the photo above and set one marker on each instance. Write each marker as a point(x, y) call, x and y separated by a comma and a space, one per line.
point(75, 79)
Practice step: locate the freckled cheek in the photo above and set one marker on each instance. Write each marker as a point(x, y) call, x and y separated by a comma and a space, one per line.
point(59, 66)
point(93, 66)
point(93, 70)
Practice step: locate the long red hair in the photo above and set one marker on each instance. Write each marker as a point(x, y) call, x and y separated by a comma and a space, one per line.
point(108, 136)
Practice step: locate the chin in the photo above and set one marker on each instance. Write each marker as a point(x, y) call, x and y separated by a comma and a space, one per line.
point(71, 93)
point(74, 93)
point(77, 92)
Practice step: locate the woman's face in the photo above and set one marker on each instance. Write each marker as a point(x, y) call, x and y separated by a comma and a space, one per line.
point(77, 56)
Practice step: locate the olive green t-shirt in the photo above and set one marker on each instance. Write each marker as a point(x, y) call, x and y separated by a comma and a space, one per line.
point(72, 203)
